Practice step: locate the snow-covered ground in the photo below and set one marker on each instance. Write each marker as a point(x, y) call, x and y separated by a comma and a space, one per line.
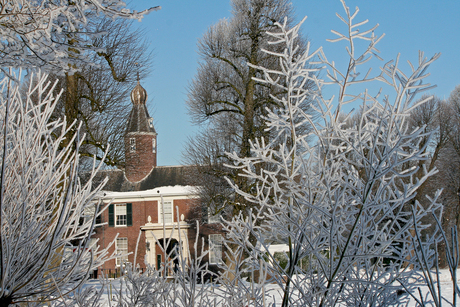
point(272, 291)
point(446, 286)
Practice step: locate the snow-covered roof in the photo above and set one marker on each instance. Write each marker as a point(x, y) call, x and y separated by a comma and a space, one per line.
point(177, 190)
point(160, 176)
point(274, 248)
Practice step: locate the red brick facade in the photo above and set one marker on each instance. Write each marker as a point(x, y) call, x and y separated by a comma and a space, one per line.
point(185, 210)
point(141, 189)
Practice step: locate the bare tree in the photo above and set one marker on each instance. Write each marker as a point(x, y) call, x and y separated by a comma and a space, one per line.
point(225, 94)
point(98, 95)
point(447, 161)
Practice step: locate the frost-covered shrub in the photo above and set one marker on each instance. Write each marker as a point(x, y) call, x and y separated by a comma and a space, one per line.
point(55, 35)
point(345, 200)
point(46, 214)
point(340, 195)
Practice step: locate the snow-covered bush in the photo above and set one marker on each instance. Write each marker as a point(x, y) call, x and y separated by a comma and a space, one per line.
point(46, 213)
point(340, 195)
point(344, 201)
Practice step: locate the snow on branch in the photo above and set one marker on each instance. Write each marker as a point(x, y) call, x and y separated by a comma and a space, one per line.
point(340, 195)
point(46, 213)
point(54, 35)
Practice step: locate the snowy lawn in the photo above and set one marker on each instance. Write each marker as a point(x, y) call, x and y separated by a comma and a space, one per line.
point(272, 292)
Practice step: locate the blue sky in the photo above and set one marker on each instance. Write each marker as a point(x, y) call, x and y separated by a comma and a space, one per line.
point(409, 26)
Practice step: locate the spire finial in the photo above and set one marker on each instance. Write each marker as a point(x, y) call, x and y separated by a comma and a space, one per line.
point(138, 78)
point(138, 94)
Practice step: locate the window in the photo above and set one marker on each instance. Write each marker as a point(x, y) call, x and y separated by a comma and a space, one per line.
point(120, 215)
point(215, 249)
point(151, 122)
point(122, 248)
point(132, 144)
point(168, 212)
point(154, 145)
point(212, 216)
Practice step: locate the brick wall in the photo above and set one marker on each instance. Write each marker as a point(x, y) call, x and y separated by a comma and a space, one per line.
point(141, 209)
point(140, 162)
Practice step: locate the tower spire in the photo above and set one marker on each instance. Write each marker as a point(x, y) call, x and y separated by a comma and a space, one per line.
point(140, 137)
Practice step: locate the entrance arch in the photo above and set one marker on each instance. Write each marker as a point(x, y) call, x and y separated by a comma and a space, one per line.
point(164, 241)
point(168, 249)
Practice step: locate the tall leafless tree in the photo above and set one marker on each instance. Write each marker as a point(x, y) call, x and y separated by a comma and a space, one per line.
point(441, 118)
point(228, 100)
point(98, 95)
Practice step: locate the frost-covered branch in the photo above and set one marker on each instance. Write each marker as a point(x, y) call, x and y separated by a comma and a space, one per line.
point(53, 35)
point(46, 213)
point(344, 204)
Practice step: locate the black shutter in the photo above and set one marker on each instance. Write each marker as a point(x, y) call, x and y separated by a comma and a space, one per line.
point(129, 214)
point(111, 217)
point(99, 218)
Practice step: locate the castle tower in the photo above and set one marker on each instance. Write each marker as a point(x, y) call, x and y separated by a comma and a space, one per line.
point(140, 138)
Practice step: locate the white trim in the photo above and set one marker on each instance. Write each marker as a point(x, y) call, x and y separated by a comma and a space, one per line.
point(115, 214)
point(176, 192)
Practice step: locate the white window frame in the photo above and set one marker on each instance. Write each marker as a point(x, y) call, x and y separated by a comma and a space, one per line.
point(213, 218)
point(215, 248)
point(168, 204)
point(121, 247)
point(132, 144)
point(154, 145)
point(118, 207)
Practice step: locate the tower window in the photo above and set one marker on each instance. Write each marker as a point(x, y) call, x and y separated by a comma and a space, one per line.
point(132, 144)
point(151, 122)
point(154, 145)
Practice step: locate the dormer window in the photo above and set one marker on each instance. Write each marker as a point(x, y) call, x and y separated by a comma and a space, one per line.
point(213, 217)
point(151, 122)
point(132, 144)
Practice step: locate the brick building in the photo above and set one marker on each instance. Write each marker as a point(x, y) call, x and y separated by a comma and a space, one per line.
point(150, 205)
